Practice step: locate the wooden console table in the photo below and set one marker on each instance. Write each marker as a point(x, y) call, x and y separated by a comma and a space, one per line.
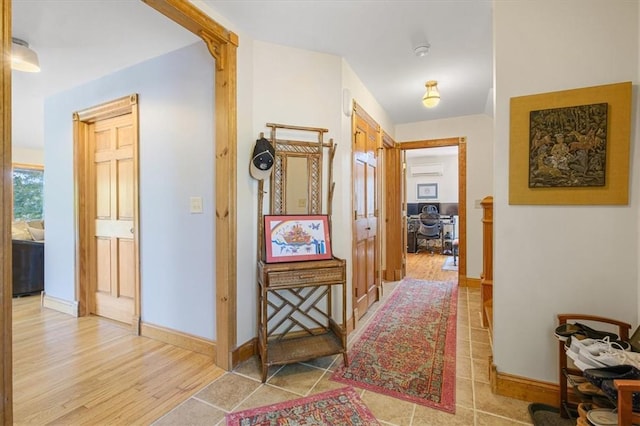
point(295, 311)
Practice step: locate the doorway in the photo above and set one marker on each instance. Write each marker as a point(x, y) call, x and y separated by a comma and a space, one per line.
point(395, 172)
point(106, 153)
point(432, 219)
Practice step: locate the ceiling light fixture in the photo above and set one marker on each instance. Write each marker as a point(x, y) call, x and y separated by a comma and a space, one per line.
point(422, 50)
point(431, 97)
point(23, 58)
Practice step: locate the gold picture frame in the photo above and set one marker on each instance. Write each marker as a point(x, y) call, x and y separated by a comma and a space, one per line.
point(615, 190)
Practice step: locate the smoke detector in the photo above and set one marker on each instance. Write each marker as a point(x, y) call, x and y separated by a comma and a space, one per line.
point(422, 50)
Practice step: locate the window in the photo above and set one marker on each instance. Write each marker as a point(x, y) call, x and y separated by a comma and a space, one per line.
point(28, 192)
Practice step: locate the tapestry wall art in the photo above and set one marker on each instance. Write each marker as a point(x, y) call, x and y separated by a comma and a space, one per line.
point(571, 147)
point(568, 146)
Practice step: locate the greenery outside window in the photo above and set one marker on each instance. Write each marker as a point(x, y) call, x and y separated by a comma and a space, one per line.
point(28, 192)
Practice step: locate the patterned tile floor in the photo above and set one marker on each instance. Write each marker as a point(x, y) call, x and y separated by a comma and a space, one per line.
point(475, 404)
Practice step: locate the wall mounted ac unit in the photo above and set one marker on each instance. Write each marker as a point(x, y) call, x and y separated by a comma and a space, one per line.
point(433, 169)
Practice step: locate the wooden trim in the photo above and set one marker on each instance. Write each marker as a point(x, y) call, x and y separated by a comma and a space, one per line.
point(65, 306)
point(6, 193)
point(351, 325)
point(245, 351)
point(387, 141)
point(222, 45)
point(394, 241)
point(178, 338)
point(80, 183)
point(28, 166)
point(469, 282)
point(193, 19)
point(462, 205)
point(486, 280)
point(430, 143)
point(523, 388)
point(120, 106)
point(360, 112)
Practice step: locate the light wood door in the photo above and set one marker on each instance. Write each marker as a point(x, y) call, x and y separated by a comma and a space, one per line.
point(365, 258)
point(113, 257)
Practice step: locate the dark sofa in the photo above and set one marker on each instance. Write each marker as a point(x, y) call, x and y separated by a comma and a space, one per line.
point(28, 267)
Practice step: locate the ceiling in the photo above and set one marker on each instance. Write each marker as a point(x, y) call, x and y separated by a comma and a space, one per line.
point(79, 41)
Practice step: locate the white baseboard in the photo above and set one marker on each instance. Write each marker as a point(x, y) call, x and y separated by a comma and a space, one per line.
point(60, 305)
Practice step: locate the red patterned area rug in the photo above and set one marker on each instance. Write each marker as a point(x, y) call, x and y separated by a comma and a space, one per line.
point(408, 350)
point(337, 407)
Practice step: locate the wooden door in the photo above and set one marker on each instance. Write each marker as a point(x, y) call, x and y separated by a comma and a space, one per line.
point(113, 254)
point(366, 255)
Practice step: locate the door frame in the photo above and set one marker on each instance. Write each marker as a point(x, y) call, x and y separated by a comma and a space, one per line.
point(394, 174)
point(6, 191)
point(222, 45)
point(83, 194)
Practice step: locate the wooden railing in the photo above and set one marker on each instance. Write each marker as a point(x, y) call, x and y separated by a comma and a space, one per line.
point(486, 279)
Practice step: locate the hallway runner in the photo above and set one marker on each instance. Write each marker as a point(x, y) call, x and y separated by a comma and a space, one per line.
point(408, 350)
point(337, 407)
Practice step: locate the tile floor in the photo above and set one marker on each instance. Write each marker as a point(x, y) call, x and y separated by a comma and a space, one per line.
point(475, 404)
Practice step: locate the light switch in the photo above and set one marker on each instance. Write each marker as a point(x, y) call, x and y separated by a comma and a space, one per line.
point(196, 205)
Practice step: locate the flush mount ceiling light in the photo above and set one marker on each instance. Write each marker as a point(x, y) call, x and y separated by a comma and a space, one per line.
point(23, 58)
point(431, 97)
point(422, 50)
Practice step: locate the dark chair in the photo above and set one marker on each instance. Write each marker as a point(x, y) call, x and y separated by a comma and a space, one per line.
point(430, 227)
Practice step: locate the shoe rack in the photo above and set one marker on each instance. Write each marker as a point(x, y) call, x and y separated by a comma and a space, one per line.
point(570, 377)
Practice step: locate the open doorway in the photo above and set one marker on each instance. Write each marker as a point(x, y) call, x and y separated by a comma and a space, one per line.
point(397, 219)
point(432, 213)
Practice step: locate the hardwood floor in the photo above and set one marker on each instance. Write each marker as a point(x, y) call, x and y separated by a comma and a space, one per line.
point(93, 371)
point(427, 266)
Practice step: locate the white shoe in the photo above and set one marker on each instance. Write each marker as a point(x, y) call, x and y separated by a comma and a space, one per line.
point(581, 365)
point(584, 350)
point(610, 357)
point(577, 344)
point(589, 359)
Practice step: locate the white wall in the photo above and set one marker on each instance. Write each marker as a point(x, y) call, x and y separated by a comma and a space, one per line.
point(247, 187)
point(298, 87)
point(176, 162)
point(447, 182)
point(27, 155)
point(478, 129)
point(559, 259)
point(278, 84)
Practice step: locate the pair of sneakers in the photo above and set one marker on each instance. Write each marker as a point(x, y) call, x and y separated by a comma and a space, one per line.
point(597, 353)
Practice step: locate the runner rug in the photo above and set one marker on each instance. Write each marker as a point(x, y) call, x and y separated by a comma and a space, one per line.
point(337, 407)
point(408, 350)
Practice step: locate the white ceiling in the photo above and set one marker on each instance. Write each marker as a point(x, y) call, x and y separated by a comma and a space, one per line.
point(80, 40)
